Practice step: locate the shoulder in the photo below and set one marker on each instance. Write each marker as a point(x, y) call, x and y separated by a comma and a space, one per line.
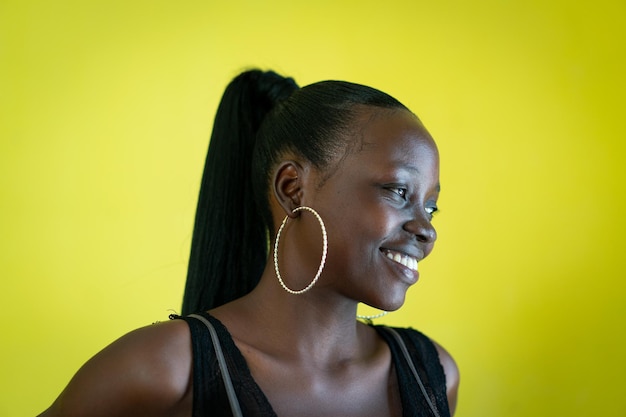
point(146, 371)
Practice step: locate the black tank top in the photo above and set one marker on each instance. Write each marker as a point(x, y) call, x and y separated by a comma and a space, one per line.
point(210, 397)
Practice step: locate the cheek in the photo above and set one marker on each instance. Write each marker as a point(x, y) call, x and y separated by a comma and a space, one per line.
point(360, 234)
point(357, 224)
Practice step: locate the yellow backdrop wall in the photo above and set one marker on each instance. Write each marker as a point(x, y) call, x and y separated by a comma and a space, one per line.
point(105, 113)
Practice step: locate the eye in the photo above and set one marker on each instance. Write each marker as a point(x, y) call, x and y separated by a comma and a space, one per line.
point(401, 192)
point(431, 210)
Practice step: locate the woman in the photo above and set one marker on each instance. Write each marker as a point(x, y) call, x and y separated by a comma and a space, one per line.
point(312, 201)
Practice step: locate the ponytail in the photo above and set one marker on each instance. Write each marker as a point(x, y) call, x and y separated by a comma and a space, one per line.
point(230, 239)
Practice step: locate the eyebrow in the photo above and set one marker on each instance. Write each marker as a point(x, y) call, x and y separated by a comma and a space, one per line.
point(417, 171)
point(409, 168)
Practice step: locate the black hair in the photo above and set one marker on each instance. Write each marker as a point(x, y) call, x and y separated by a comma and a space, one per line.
point(261, 116)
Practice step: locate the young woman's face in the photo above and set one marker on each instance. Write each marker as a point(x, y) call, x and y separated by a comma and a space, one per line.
point(378, 208)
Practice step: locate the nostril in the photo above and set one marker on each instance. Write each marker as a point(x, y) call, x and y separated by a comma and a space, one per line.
point(428, 235)
point(423, 230)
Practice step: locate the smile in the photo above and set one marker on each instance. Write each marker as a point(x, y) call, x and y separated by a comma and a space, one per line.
point(401, 258)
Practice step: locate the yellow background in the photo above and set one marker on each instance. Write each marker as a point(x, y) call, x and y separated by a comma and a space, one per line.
point(105, 113)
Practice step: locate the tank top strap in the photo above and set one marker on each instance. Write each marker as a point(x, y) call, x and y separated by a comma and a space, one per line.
point(420, 374)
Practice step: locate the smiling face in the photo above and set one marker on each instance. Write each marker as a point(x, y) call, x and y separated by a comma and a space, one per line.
point(378, 206)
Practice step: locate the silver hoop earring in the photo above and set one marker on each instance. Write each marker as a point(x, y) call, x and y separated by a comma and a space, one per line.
point(324, 252)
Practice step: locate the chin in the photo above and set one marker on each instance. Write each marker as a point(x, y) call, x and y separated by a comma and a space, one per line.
point(388, 301)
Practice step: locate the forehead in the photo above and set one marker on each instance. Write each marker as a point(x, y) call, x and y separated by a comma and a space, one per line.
point(393, 137)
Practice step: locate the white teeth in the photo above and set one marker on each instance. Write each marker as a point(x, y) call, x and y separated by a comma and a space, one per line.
point(405, 260)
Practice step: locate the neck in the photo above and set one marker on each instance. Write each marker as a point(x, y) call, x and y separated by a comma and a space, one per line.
point(318, 325)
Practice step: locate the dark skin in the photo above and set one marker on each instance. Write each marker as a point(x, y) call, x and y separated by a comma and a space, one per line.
point(307, 352)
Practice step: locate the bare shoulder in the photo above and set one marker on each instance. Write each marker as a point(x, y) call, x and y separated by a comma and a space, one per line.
point(145, 372)
point(453, 376)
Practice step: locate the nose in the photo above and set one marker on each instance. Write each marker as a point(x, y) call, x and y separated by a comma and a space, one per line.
point(422, 228)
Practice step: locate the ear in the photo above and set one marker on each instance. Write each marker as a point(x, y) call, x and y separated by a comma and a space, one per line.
point(287, 185)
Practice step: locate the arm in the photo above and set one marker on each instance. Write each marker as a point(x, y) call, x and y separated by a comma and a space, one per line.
point(451, 371)
point(146, 372)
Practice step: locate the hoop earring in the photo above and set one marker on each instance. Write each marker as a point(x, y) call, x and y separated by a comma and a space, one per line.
point(324, 252)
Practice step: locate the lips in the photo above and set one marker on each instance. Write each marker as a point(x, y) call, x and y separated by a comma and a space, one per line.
point(401, 258)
